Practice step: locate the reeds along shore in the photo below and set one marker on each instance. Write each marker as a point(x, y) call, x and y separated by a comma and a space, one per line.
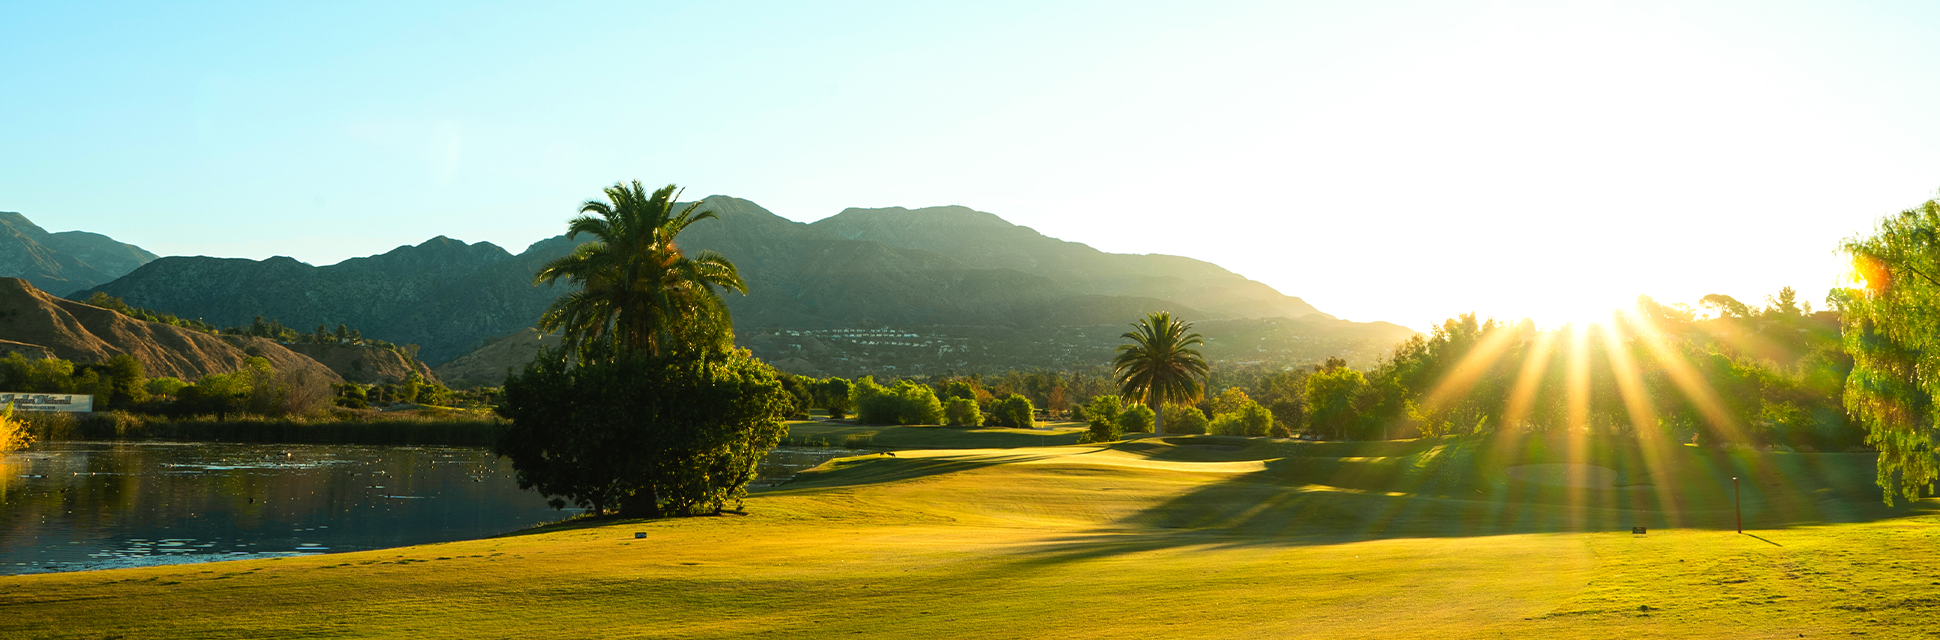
point(454, 429)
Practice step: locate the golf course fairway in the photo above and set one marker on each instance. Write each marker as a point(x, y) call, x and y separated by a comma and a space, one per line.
point(1185, 537)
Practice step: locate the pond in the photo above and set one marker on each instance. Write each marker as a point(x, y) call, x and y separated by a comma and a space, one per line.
point(67, 506)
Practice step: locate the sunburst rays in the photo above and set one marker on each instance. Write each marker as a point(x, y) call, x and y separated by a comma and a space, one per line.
point(1627, 374)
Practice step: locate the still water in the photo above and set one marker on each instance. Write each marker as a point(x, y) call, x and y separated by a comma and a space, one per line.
point(67, 506)
point(84, 505)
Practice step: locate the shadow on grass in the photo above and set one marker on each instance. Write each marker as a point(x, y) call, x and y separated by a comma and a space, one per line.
point(884, 467)
point(1457, 488)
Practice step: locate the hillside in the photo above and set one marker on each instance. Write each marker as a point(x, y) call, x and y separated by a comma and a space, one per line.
point(364, 364)
point(856, 270)
point(985, 241)
point(489, 364)
point(87, 334)
point(65, 262)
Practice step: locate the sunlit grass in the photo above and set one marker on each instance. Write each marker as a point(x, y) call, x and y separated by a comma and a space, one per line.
point(1180, 537)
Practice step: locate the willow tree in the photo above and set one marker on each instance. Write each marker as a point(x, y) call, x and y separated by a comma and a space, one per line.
point(1160, 365)
point(647, 408)
point(638, 293)
point(1892, 330)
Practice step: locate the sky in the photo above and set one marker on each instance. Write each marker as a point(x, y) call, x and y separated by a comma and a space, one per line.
point(1383, 160)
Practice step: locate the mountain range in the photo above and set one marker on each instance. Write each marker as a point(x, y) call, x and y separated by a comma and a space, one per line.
point(862, 268)
point(65, 262)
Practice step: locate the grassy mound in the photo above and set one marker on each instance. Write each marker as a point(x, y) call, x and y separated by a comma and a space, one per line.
point(1174, 537)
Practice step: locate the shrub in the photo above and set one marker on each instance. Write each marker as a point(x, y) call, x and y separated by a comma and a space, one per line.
point(1250, 419)
point(1288, 414)
point(1101, 413)
point(1014, 411)
point(833, 394)
point(962, 412)
point(906, 403)
point(13, 431)
point(165, 386)
point(1136, 419)
point(1184, 419)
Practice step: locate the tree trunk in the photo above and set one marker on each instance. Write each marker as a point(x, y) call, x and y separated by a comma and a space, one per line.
point(1158, 415)
point(644, 503)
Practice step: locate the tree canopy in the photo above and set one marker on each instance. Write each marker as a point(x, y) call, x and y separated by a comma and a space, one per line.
point(1892, 331)
point(668, 436)
point(638, 293)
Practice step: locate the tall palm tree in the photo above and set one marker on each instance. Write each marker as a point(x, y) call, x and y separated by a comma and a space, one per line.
point(639, 293)
point(1160, 364)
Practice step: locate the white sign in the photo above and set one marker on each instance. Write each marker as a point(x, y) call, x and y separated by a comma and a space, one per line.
point(48, 402)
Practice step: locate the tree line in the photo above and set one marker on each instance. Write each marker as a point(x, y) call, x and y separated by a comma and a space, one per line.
point(121, 383)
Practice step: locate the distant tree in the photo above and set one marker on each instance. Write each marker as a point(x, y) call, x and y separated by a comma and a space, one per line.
point(1290, 413)
point(351, 395)
point(1455, 379)
point(1185, 419)
point(637, 289)
point(219, 394)
point(1249, 419)
point(1331, 395)
point(130, 381)
point(906, 403)
point(833, 394)
point(343, 332)
point(1159, 365)
point(1893, 334)
point(962, 412)
point(165, 386)
point(1725, 306)
point(1015, 411)
point(1229, 401)
point(1137, 418)
point(963, 388)
point(1101, 414)
point(1279, 385)
point(1786, 304)
point(802, 393)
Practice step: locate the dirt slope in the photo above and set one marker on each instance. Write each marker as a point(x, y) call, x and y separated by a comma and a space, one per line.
point(87, 334)
point(364, 365)
point(487, 366)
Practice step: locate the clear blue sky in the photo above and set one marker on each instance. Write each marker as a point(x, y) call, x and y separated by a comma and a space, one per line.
point(1398, 161)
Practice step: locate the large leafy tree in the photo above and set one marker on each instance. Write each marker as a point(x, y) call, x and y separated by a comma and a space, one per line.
point(647, 409)
point(648, 437)
point(638, 292)
point(1892, 330)
point(1332, 393)
point(1159, 363)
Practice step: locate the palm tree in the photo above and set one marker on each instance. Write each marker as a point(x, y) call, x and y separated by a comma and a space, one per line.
point(639, 294)
point(1160, 364)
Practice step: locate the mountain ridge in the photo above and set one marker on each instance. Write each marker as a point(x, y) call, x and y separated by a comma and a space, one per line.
point(936, 266)
point(65, 262)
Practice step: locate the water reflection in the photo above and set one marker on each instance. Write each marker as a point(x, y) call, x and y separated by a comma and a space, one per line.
point(68, 506)
point(782, 463)
point(84, 505)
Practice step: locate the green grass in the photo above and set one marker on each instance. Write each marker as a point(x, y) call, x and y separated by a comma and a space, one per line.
point(1182, 537)
point(929, 437)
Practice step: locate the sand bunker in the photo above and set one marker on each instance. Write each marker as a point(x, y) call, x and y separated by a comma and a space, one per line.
point(1582, 476)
